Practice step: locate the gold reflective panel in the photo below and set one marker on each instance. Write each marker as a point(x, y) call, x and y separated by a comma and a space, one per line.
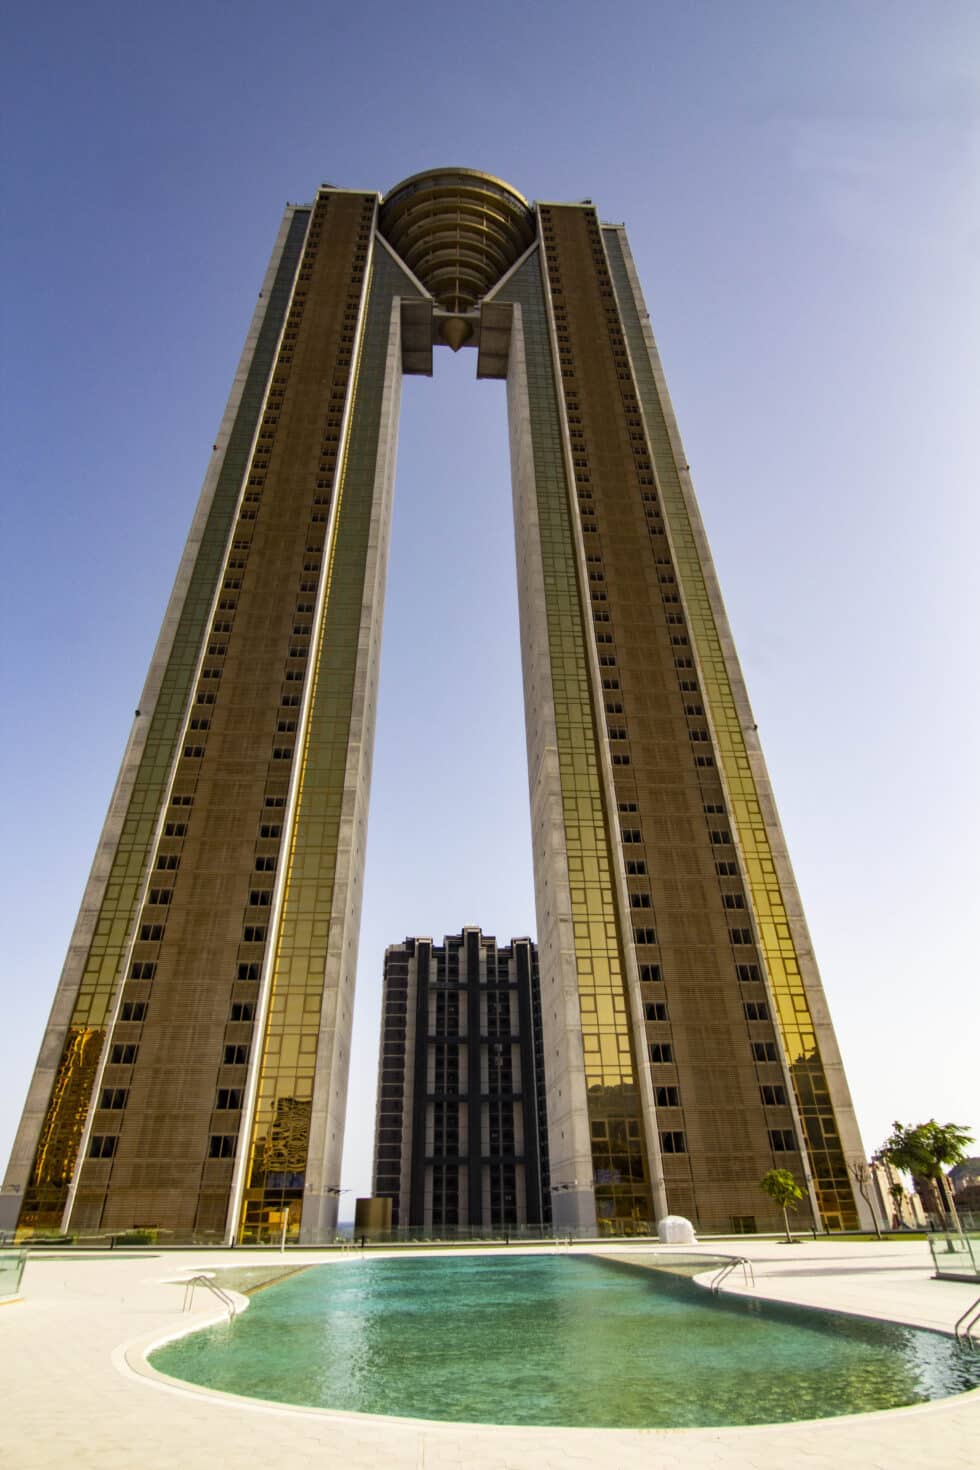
point(57, 1149)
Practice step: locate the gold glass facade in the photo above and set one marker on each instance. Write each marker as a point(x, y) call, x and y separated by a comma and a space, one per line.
point(194, 1071)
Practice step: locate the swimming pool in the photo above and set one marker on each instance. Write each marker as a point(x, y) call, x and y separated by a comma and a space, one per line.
point(575, 1340)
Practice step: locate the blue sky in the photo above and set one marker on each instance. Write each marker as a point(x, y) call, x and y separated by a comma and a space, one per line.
point(800, 188)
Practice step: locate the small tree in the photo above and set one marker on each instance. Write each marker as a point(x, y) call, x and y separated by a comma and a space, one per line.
point(861, 1175)
point(925, 1150)
point(897, 1192)
point(783, 1190)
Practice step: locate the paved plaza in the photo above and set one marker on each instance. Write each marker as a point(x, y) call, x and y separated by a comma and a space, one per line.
point(79, 1393)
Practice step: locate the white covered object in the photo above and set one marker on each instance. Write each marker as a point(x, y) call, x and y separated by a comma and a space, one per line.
point(676, 1230)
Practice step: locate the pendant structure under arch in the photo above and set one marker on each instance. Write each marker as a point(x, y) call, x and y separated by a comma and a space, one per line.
point(193, 1075)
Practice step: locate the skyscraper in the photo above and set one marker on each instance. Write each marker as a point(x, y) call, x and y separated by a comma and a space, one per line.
point(193, 1074)
point(461, 1133)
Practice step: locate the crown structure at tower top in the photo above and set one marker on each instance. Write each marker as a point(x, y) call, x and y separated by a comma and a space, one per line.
point(458, 230)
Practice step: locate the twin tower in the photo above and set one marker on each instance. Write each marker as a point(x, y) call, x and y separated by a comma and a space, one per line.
point(193, 1075)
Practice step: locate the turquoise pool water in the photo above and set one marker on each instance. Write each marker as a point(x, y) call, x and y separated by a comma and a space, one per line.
point(560, 1341)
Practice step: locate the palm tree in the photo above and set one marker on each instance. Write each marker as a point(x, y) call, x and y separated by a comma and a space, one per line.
point(925, 1150)
point(784, 1191)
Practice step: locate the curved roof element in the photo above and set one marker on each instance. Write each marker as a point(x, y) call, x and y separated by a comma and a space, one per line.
point(458, 230)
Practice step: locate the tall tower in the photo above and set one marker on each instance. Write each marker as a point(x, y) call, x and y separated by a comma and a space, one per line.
point(193, 1073)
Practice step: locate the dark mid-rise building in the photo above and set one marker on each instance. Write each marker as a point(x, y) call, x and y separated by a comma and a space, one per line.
point(193, 1075)
point(461, 1132)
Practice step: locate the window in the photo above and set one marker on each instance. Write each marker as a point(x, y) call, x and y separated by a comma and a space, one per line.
point(645, 936)
point(756, 1010)
point(649, 973)
point(627, 806)
point(193, 752)
point(253, 934)
point(160, 895)
point(617, 732)
point(773, 1095)
point(661, 1051)
point(632, 834)
point(698, 735)
point(673, 1143)
point(720, 836)
point(740, 936)
point(734, 901)
point(229, 1098)
point(747, 972)
point(726, 870)
point(621, 760)
point(781, 1140)
point(221, 1146)
point(113, 1097)
point(133, 1010)
point(286, 727)
point(667, 1097)
point(199, 724)
point(265, 864)
point(704, 760)
point(248, 972)
point(102, 1145)
point(640, 901)
point(655, 1010)
point(275, 801)
point(235, 1055)
point(242, 1010)
point(151, 932)
point(142, 970)
point(268, 830)
point(764, 1051)
point(636, 867)
point(123, 1054)
point(282, 752)
point(713, 806)
point(260, 897)
point(175, 829)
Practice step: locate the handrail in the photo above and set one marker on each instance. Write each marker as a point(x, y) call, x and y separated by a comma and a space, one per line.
point(748, 1274)
point(218, 1291)
point(963, 1331)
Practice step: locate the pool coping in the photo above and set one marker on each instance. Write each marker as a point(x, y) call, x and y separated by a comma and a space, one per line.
point(133, 1358)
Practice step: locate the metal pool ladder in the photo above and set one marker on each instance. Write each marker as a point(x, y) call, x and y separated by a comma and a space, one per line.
point(963, 1330)
point(215, 1290)
point(748, 1275)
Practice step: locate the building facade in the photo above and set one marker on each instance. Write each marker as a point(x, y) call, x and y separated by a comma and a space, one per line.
point(461, 1132)
point(193, 1072)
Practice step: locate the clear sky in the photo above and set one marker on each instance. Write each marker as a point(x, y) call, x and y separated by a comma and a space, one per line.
point(800, 185)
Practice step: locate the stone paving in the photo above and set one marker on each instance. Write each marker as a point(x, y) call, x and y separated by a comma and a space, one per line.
point(78, 1391)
